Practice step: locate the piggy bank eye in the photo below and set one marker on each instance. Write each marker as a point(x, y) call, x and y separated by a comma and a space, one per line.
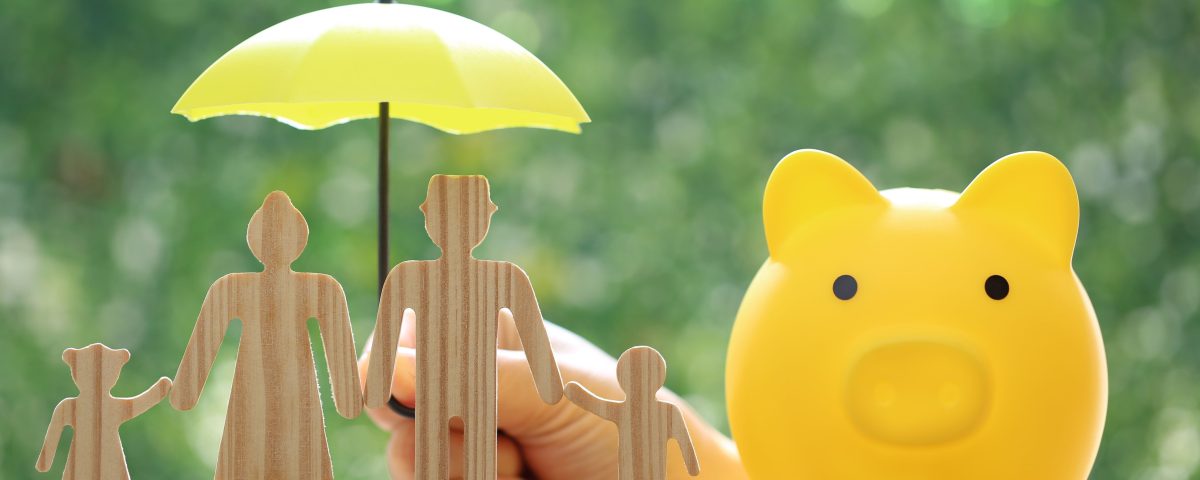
point(844, 287)
point(996, 287)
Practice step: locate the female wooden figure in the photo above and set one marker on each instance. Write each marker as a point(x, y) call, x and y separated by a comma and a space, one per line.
point(274, 427)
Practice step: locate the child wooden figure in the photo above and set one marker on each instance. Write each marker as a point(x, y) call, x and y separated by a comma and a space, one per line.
point(644, 423)
point(95, 451)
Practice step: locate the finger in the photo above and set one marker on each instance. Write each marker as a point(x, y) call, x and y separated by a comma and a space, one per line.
point(408, 329)
point(507, 336)
point(366, 351)
point(403, 376)
point(508, 456)
point(404, 388)
point(402, 454)
point(509, 462)
point(407, 339)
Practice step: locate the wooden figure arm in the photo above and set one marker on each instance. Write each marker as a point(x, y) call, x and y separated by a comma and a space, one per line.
point(383, 343)
point(598, 406)
point(333, 318)
point(679, 432)
point(60, 419)
point(149, 398)
point(528, 318)
point(202, 347)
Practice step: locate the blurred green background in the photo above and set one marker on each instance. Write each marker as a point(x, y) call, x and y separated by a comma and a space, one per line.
point(115, 216)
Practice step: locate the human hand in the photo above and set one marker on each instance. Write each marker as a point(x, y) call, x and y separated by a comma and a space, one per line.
point(560, 441)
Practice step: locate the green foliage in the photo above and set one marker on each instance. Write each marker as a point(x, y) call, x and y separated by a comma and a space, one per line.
point(115, 216)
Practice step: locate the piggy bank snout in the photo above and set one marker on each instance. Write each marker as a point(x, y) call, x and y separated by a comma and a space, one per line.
point(917, 392)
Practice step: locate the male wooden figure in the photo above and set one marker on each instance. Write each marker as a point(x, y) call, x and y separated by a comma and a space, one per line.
point(95, 451)
point(457, 300)
point(644, 423)
point(274, 427)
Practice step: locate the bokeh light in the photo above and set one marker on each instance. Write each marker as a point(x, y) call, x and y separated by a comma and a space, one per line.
point(115, 216)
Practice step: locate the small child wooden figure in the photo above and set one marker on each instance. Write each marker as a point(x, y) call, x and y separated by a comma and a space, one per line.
point(95, 451)
point(644, 423)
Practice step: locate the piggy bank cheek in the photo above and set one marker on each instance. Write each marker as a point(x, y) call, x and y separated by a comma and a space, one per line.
point(1050, 375)
point(764, 393)
point(779, 375)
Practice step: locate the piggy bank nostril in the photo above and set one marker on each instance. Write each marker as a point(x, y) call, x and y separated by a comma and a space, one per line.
point(917, 393)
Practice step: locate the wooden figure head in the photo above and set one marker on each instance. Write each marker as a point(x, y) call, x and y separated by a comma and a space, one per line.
point(458, 210)
point(641, 372)
point(95, 358)
point(277, 233)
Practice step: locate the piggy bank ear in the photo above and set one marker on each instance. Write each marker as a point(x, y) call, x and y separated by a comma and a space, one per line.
point(807, 184)
point(1032, 191)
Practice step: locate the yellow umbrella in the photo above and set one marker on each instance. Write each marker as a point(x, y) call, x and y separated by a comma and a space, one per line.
point(335, 65)
point(384, 60)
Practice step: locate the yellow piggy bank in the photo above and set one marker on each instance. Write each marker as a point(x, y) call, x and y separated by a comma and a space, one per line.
point(917, 334)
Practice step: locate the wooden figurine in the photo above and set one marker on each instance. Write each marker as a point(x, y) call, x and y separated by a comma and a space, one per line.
point(644, 423)
point(457, 301)
point(95, 451)
point(274, 427)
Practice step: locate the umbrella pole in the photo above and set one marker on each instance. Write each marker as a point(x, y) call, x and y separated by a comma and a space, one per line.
point(384, 263)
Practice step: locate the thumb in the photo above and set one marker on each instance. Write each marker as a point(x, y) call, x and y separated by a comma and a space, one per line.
point(404, 388)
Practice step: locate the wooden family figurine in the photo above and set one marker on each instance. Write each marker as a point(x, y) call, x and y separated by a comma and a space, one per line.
point(95, 451)
point(456, 301)
point(274, 427)
point(644, 423)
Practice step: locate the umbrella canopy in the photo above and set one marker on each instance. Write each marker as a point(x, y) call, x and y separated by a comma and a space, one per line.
point(335, 65)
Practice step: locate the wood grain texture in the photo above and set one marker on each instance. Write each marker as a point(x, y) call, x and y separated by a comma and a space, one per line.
point(644, 423)
point(457, 301)
point(96, 451)
point(274, 427)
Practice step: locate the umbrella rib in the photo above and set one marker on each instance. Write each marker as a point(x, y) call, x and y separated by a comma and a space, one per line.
point(458, 75)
